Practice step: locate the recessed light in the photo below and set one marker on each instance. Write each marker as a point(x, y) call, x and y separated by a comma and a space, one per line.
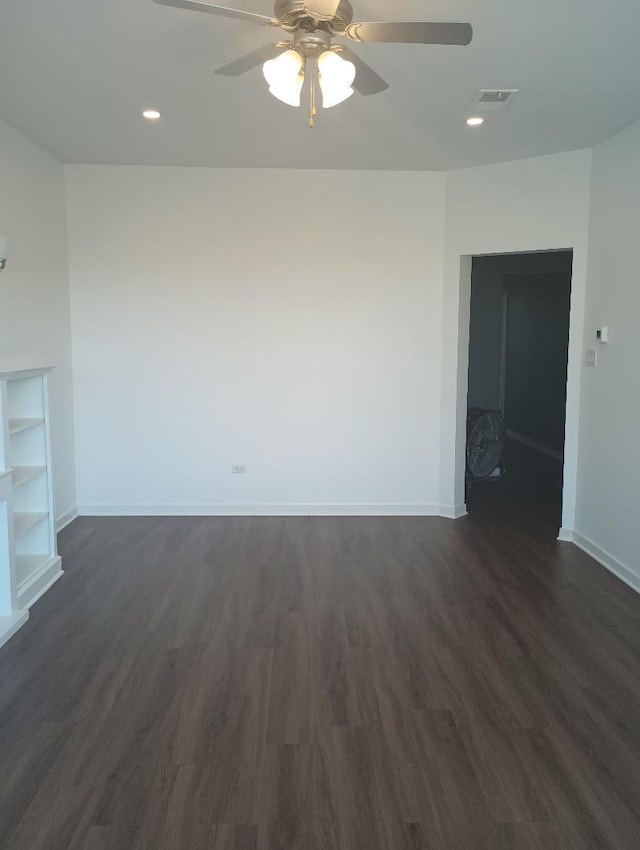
point(476, 121)
point(151, 114)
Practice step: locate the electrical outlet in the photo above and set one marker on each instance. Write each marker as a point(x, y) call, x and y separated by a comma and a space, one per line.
point(239, 469)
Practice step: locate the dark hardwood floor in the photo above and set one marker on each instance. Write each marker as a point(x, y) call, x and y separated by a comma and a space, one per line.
point(529, 493)
point(308, 683)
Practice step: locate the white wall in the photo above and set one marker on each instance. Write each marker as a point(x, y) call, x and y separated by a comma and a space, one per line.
point(528, 205)
point(607, 518)
point(286, 320)
point(34, 290)
point(211, 328)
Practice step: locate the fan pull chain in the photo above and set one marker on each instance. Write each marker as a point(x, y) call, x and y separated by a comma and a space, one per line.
point(314, 111)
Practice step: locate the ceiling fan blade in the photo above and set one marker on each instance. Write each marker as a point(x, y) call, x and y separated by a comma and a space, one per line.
point(405, 32)
point(251, 60)
point(367, 81)
point(322, 10)
point(212, 9)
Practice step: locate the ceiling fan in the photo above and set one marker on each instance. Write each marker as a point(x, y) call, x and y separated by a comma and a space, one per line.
point(310, 55)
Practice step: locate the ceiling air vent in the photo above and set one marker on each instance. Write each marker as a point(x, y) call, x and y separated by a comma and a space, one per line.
point(492, 100)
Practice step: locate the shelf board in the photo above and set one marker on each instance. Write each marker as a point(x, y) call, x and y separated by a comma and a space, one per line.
point(22, 474)
point(17, 425)
point(27, 566)
point(23, 522)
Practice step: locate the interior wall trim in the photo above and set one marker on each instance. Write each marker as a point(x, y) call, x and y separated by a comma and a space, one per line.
point(66, 519)
point(267, 509)
point(452, 511)
point(10, 624)
point(622, 571)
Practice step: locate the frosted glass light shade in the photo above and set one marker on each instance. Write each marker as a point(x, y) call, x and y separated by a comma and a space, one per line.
point(290, 93)
point(336, 78)
point(285, 77)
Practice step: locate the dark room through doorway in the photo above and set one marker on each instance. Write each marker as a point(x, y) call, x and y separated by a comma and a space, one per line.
point(517, 387)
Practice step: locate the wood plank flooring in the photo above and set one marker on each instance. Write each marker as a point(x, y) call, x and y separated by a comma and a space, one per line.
point(323, 684)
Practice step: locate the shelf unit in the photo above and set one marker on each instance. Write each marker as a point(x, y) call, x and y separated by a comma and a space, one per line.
point(18, 425)
point(22, 474)
point(29, 561)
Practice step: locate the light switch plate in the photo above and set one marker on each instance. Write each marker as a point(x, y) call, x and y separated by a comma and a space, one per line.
point(592, 358)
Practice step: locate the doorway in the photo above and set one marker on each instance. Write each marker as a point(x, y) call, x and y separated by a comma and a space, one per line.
point(518, 356)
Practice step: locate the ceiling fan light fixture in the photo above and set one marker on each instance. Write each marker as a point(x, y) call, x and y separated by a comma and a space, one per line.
point(285, 76)
point(336, 78)
point(290, 93)
point(312, 25)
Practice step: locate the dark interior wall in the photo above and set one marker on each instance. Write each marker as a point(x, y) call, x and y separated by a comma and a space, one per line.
point(537, 342)
point(485, 340)
point(538, 288)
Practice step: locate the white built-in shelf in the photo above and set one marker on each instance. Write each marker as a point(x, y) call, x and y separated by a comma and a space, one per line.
point(23, 522)
point(29, 560)
point(17, 425)
point(22, 474)
point(28, 566)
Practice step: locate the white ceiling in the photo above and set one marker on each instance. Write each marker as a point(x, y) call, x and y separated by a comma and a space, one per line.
point(75, 75)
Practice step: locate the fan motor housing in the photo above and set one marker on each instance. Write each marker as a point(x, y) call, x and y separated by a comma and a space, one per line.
point(293, 16)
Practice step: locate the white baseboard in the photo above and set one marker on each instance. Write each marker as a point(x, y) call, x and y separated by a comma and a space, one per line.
point(10, 624)
point(262, 510)
point(31, 590)
point(565, 535)
point(614, 566)
point(66, 519)
point(452, 511)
